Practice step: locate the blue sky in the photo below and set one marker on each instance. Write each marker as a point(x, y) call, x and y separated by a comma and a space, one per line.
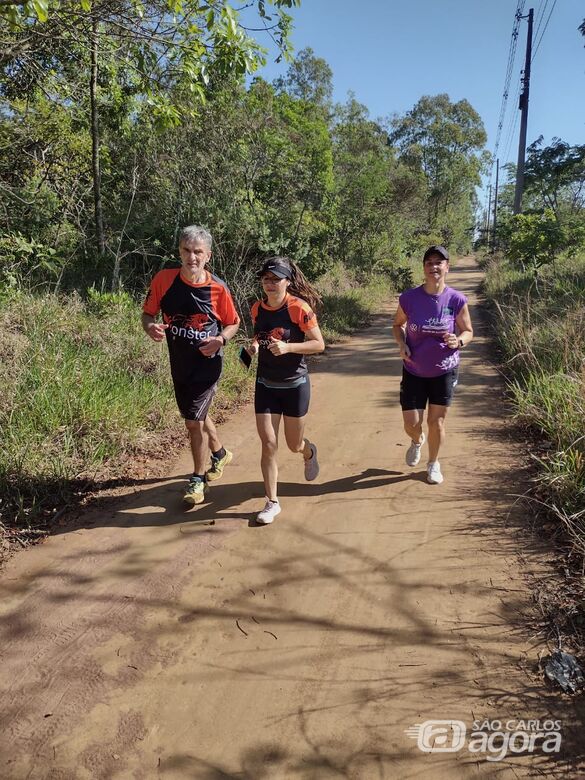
point(391, 52)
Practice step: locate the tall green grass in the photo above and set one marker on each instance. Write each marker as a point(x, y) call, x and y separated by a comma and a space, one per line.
point(79, 387)
point(541, 334)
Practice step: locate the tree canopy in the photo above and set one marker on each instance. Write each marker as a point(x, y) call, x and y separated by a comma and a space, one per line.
point(556, 174)
point(118, 133)
point(308, 78)
point(445, 141)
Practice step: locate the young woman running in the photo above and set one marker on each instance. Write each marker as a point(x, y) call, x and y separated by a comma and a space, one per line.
point(424, 328)
point(285, 331)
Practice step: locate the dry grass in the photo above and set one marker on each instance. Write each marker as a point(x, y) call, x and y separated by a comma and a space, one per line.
point(541, 334)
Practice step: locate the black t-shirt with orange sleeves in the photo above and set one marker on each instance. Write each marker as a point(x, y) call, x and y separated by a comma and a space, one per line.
point(288, 323)
point(193, 312)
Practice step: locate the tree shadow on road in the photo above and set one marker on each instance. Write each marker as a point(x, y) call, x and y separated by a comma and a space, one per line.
point(374, 701)
point(164, 499)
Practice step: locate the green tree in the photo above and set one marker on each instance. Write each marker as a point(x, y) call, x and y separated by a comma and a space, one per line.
point(294, 177)
point(555, 175)
point(533, 240)
point(445, 141)
point(165, 54)
point(254, 166)
point(308, 78)
point(375, 194)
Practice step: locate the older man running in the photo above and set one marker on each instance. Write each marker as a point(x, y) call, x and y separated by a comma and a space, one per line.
point(198, 319)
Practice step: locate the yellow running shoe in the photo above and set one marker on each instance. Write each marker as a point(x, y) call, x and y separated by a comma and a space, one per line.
point(195, 493)
point(217, 466)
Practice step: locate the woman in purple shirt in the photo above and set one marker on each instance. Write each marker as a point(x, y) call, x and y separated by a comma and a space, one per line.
point(425, 328)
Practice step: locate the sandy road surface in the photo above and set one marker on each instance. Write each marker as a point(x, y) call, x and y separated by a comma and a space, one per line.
point(145, 645)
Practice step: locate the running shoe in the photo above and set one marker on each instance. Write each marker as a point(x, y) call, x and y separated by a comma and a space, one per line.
point(195, 493)
point(434, 476)
point(312, 465)
point(217, 466)
point(267, 515)
point(413, 452)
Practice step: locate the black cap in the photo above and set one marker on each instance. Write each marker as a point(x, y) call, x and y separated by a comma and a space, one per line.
point(277, 267)
point(436, 250)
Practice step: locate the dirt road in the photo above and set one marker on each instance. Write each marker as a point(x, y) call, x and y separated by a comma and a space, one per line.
point(145, 645)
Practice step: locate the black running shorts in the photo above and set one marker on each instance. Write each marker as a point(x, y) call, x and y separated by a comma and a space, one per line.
point(417, 391)
point(289, 401)
point(194, 399)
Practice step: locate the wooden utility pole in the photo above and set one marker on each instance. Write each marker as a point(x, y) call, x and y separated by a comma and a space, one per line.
point(523, 106)
point(495, 220)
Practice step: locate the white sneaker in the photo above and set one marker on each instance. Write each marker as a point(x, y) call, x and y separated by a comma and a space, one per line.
point(413, 452)
point(312, 465)
point(434, 476)
point(267, 515)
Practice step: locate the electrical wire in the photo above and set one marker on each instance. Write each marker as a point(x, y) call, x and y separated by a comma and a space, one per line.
point(509, 70)
point(507, 80)
point(513, 122)
point(543, 32)
point(511, 128)
point(540, 16)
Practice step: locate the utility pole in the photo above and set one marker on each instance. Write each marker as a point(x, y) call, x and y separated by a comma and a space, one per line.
point(495, 222)
point(523, 106)
point(487, 222)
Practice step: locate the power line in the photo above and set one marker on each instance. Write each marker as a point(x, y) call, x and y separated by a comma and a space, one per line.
point(509, 69)
point(512, 126)
point(507, 79)
point(541, 28)
point(540, 15)
point(543, 31)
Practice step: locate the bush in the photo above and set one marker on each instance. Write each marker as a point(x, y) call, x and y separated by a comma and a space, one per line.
point(24, 261)
point(533, 240)
point(102, 303)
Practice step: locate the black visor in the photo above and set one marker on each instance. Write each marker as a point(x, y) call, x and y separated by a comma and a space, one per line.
point(277, 268)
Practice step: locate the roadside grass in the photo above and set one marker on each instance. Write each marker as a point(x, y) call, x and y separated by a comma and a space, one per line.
point(541, 335)
point(80, 387)
point(348, 302)
point(84, 392)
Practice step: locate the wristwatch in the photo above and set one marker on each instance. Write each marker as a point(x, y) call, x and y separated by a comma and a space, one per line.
point(461, 342)
point(223, 338)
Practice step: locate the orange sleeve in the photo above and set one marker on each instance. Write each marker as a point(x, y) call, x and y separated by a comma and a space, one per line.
point(158, 287)
point(254, 312)
point(302, 315)
point(223, 305)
